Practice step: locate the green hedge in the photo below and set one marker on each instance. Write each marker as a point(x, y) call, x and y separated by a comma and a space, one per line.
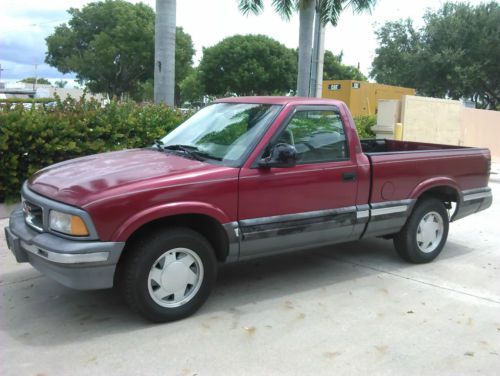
point(31, 139)
point(34, 138)
point(364, 125)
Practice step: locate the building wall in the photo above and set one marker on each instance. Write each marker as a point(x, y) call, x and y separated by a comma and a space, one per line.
point(362, 97)
point(440, 121)
point(481, 128)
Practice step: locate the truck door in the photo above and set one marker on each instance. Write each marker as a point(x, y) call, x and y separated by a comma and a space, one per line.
point(311, 204)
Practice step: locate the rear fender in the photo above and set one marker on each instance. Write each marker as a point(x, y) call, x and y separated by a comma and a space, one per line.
point(428, 184)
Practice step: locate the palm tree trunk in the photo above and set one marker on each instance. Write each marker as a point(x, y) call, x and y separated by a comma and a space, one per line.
point(306, 17)
point(164, 69)
point(316, 87)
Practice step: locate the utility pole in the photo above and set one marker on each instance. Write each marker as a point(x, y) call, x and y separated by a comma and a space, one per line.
point(316, 86)
point(1, 70)
point(36, 78)
point(164, 68)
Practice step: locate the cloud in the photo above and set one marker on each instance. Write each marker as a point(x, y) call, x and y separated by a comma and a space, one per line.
point(20, 71)
point(23, 29)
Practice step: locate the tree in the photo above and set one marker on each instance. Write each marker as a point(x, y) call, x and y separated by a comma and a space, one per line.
point(61, 84)
point(39, 81)
point(454, 55)
point(333, 69)
point(248, 65)
point(164, 63)
point(398, 57)
point(329, 11)
point(192, 88)
point(184, 52)
point(110, 46)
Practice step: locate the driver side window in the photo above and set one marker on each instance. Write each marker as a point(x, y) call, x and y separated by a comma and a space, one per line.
point(318, 136)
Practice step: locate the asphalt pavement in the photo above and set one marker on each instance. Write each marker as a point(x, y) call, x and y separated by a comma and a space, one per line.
point(349, 309)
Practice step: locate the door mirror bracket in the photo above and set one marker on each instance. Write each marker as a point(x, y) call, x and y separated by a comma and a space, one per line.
point(282, 156)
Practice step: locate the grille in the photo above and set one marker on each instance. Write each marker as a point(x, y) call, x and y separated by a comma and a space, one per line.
point(33, 215)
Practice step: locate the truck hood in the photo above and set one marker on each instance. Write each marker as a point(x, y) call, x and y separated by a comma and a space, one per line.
point(82, 180)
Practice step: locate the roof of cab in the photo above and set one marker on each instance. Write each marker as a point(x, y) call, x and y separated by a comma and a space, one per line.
point(280, 100)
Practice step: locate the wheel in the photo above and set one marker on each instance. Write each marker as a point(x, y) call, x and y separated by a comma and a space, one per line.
point(424, 235)
point(168, 275)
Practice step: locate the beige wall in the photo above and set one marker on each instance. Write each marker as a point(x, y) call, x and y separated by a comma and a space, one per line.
point(431, 120)
point(481, 128)
point(441, 121)
point(389, 113)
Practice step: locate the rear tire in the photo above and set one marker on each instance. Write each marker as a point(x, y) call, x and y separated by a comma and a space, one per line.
point(168, 275)
point(424, 235)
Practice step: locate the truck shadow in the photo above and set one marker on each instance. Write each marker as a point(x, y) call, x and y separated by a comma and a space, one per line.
point(40, 312)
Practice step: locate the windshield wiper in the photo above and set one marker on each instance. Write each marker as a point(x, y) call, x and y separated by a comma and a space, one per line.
point(159, 144)
point(192, 151)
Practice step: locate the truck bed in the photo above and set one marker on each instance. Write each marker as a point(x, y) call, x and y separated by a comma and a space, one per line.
point(371, 146)
point(402, 170)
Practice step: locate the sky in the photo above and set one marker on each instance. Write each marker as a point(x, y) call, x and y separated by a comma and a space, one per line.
point(25, 24)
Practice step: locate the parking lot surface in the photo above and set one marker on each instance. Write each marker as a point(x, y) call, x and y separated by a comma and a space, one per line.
point(354, 308)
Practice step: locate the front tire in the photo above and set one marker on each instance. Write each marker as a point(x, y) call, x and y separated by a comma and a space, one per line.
point(168, 275)
point(424, 235)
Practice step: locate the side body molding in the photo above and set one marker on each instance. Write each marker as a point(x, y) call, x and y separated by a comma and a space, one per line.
point(171, 209)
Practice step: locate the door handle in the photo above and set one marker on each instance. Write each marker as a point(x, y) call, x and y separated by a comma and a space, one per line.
point(349, 176)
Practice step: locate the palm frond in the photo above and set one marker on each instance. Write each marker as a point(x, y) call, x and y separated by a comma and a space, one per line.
point(285, 8)
point(250, 6)
point(330, 11)
point(359, 6)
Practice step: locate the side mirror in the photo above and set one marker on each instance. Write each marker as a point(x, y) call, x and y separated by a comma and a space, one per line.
point(282, 155)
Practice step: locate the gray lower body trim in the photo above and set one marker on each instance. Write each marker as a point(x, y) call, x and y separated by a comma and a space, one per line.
point(290, 232)
point(473, 201)
point(82, 265)
point(270, 235)
point(388, 217)
point(233, 235)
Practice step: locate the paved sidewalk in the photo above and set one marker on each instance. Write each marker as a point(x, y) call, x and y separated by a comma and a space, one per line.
point(350, 309)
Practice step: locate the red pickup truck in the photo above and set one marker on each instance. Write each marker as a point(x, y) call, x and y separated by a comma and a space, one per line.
point(243, 177)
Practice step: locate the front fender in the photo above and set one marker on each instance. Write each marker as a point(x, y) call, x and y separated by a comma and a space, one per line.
point(167, 210)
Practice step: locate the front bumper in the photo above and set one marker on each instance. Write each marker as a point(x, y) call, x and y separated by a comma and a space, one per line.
point(82, 265)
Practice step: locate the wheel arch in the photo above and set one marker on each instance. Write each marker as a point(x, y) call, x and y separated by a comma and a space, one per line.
point(444, 189)
point(206, 220)
point(207, 226)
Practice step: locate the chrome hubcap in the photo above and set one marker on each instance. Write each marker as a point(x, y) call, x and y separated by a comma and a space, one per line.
point(175, 277)
point(430, 232)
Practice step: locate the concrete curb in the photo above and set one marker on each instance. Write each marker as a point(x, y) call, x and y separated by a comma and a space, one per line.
point(6, 209)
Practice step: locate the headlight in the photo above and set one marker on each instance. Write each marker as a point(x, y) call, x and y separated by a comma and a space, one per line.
point(67, 224)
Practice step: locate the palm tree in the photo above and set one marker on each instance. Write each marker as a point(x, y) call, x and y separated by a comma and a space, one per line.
point(164, 69)
point(329, 12)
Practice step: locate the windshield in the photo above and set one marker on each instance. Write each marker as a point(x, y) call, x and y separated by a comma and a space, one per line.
point(223, 131)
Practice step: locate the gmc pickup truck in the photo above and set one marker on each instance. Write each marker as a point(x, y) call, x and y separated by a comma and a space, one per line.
point(244, 177)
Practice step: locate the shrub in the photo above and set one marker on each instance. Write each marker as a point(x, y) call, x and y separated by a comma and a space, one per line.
point(31, 139)
point(364, 124)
